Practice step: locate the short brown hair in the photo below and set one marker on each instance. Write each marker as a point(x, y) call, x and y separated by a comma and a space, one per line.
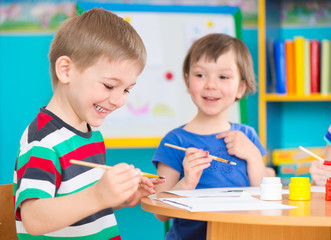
point(214, 45)
point(93, 34)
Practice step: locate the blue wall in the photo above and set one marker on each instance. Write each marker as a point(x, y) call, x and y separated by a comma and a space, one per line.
point(26, 86)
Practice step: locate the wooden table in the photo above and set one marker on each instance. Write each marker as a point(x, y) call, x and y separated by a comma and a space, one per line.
point(310, 221)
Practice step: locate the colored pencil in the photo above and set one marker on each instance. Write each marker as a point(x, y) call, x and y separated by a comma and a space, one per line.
point(211, 156)
point(310, 153)
point(95, 165)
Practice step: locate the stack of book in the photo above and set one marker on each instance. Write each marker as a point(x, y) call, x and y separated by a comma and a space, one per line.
point(300, 66)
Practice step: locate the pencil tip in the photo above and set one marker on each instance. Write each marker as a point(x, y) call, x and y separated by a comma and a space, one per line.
point(161, 177)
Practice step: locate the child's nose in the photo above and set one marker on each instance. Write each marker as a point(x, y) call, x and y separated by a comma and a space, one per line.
point(210, 83)
point(117, 100)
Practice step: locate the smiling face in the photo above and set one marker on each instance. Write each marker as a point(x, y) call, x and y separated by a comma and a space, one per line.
point(214, 86)
point(88, 96)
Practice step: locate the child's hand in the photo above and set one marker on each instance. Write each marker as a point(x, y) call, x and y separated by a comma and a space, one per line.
point(318, 172)
point(195, 161)
point(146, 187)
point(239, 145)
point(117, 185)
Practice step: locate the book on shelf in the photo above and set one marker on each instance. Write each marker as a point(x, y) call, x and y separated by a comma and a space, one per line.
point(290, 66)
point(299, 65)
point(314, 66)
point(306, 54)
point(325, 67)
point(271, 82)
point(280, 65)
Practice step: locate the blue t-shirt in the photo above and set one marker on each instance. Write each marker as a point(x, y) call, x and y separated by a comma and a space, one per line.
point(219, 174)
point(328, 136)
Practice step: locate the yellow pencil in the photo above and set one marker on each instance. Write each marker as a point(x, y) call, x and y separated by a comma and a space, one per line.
point(95, 165)
point(211, 156)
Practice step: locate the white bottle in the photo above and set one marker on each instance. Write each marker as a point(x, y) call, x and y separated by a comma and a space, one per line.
point(271, 188)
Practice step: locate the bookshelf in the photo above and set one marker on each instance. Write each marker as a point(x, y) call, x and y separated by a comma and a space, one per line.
point(275, 109)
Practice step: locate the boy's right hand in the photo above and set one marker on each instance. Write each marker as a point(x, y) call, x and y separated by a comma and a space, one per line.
point(195, 161)
point(117, 185)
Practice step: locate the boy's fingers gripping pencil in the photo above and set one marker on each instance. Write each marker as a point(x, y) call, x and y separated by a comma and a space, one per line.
point(211, 156)
point(310, 153)
point(94, 165)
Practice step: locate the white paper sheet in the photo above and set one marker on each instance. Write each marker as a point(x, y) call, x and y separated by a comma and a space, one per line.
point(214, 204)
point(233, 191)
point(216, 192)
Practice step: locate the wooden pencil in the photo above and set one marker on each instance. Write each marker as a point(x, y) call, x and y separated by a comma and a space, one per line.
point(211, 156)
point(95, 165)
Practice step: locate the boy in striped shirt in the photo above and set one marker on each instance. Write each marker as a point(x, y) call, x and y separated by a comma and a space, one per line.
point(95, 60)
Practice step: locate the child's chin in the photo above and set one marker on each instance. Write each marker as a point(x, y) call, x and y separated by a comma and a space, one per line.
point(96, 124)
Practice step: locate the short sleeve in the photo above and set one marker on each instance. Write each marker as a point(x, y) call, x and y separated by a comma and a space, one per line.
point(169, 156)
point(37, 175)
point(328, 136)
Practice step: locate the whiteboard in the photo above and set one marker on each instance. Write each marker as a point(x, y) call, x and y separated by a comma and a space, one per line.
point(160, 102)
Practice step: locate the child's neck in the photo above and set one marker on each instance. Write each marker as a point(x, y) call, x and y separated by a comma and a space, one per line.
point(205, 125)
point(60, 107)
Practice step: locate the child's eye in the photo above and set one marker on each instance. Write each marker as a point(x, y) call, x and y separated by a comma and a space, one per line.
point(127, 91)
point(224, 77)
point(107, 86)
point(199, 75)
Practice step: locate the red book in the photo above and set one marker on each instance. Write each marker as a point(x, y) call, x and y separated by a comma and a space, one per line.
point(314, 66)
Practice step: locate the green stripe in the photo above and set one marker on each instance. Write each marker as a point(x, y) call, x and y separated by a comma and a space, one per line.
point(77, 190)
point(243, 111)
point(40, 152)
point(102, 235)
point(30, 193)
point(238, 21)
point(243, 102)
point(67, 146)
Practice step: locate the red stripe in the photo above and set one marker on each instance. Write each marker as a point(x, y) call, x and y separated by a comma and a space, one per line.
point(82, 152)
point(43, 119)
point(116, 238)
point(43, 164)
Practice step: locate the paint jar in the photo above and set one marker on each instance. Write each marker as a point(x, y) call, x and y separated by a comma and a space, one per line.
point(299, 188)
point(271, 188)
point(328, 189)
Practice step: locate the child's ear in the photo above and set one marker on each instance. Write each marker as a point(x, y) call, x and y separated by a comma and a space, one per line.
point(62, 68)
point(187, 83)
point(241, 89)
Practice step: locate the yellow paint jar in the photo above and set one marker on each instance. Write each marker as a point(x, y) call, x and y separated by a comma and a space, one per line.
point(299, 188)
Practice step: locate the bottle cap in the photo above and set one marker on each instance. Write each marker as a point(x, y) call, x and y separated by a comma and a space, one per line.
point(270, 180)
point(299, 180)
point(327, 162)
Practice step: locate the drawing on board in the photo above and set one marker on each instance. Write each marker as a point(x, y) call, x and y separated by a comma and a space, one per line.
point(159, 102)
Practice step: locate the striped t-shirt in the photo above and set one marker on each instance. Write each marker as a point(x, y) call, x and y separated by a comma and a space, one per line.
point(43, 170)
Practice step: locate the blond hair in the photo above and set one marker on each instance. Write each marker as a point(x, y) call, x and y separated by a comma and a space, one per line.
point(95, 33)
point(214, 45)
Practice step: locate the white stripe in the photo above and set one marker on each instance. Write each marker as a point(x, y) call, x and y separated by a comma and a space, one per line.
point(49, 141)
point(27, 183)
point(15, 177)
point(78, 231)
point(81, 180)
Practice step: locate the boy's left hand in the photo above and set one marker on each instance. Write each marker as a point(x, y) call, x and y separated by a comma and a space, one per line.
point(238, 144)
point(146, 187)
